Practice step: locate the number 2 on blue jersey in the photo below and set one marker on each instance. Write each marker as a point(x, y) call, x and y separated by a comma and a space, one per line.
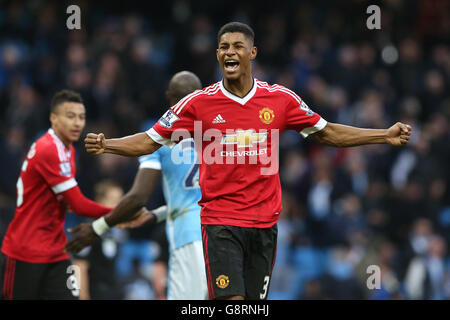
point(191, 179)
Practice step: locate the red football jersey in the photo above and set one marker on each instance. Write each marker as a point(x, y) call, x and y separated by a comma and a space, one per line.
point(237, 142)
point(36, 233)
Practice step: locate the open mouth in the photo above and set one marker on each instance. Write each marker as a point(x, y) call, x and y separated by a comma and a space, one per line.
point(231, 65)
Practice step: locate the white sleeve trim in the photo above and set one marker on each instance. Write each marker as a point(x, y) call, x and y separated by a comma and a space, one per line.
point(159, 139)
point(161, 213)
point(64, 186)
point(317, 127)
point(150, 165)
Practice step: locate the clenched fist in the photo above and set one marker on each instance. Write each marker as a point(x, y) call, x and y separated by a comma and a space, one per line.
point(398, 134)
point(95, 143)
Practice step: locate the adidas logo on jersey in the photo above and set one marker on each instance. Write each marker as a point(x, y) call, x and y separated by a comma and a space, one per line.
point(218, 119)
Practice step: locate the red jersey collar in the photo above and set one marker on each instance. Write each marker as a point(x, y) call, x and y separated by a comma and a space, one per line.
point(237, 99)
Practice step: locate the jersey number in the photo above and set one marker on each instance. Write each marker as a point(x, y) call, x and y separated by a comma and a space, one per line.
point(19, 186)
point(191, 179)
point(263, 295)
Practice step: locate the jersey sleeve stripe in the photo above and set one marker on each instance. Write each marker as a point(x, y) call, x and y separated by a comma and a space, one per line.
point(292, 93)
point(159, 139)
point(63, 157)
point(179, 103)
point(317, 127)
point(180, 107)
point(182, 103)
point(150, 165)
point(64, 186)
point(282, 89)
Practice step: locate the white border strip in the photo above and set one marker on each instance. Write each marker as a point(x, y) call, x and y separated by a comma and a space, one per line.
point(317, 127)
point(150, 165)
point(64, 186)
point(159, 139)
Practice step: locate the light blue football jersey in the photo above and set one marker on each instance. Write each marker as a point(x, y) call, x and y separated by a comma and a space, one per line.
point(179, 167)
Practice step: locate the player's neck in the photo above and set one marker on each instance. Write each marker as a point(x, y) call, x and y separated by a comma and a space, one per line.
point(66, 143)
point(239, 87)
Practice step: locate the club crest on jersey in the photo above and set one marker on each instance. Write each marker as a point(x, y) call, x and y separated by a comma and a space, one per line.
point(244, 138)
point(168, 119)
point(304, 107)
point(222, 281)
point(266, 115)
point(66, 170)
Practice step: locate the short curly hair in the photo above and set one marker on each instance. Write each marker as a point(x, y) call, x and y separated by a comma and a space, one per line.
point(236, 27)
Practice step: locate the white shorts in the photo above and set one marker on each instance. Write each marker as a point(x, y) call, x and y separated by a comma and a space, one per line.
point(187, 277)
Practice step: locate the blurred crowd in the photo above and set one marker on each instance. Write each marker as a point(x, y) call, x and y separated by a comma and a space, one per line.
point(344, 210)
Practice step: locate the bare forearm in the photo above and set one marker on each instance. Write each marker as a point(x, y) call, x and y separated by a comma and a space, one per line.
point(136, 198)
point(338, 135)
point(135, 145)
point(125, 210)
point(347, 136)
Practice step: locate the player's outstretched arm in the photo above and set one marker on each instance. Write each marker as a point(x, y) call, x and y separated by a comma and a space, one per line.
point(135, 199)
point(135, 145)
point(145, 217)
point(83, 206)
point(129, 208)
point(338, 135)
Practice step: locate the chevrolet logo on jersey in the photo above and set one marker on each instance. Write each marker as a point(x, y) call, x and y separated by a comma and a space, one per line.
point(244, 138)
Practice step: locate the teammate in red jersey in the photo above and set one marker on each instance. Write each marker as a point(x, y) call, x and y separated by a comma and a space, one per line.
point(34, 264)
point(235, 124)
